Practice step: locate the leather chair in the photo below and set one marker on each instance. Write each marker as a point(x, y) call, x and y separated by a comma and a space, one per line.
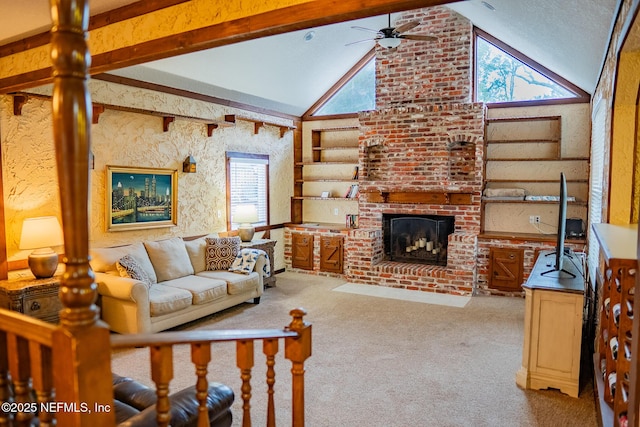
point(135, 405)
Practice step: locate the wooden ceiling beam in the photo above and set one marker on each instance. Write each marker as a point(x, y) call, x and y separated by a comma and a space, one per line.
point(33, 71)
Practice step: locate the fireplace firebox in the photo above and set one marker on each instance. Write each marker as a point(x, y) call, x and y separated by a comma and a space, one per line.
point(421, 239)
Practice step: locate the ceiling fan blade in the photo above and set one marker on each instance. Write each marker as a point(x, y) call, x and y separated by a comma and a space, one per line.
point(366, 29)
point(418, 37)
point(408, 26)
point(360, 41)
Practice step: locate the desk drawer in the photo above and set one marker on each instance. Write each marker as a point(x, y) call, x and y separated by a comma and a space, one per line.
point(44, 307)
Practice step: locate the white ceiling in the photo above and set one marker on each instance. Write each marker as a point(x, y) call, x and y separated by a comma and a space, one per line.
point(288, 74)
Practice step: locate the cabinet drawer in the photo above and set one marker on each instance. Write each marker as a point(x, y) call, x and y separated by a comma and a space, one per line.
point(42, 307)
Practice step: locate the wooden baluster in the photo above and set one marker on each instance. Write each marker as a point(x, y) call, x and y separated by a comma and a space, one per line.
point(297, 350)
point(82, 357)
point(19, 366)
point(5, 390)
point(42, 378)
point(201, 356)
point(270, 349)
point(244, 360)
point(162, 374)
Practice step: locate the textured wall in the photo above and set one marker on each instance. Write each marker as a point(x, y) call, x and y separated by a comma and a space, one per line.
point(137, 140)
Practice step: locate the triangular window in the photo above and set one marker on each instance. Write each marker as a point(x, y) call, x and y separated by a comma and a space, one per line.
point(505, 75)
point(356, 94)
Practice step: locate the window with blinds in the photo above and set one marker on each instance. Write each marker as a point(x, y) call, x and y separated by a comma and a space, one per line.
point(248, 184)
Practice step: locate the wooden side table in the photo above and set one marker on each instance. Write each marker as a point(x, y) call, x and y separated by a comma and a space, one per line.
point(34, 297)
point(266, 245)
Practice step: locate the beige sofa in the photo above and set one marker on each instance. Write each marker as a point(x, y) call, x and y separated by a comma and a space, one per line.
point(152, 286)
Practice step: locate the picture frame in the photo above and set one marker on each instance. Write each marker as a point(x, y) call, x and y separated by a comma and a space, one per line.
point(139, 198)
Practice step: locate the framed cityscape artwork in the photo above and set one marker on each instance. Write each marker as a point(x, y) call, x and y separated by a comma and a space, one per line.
point(140, 198)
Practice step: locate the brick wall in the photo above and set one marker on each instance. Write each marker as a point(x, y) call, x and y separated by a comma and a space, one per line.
point(427, 72)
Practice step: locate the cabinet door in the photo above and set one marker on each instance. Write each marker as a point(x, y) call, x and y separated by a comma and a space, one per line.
point(331, 251)
point(302, 251)
point(505, 268)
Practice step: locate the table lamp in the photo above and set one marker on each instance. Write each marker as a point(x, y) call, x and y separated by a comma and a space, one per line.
point(41, 234)
point(245, 215)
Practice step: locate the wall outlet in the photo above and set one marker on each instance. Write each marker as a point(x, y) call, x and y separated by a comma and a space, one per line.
point(534, 219)
point(335, 211)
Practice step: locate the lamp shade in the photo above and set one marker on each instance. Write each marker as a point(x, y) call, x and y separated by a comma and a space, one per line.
point(245, 214)
point(41, 232)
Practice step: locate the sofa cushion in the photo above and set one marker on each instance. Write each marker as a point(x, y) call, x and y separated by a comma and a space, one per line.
point(236, 283)
point(197, 249)
point(167, 299)
point(169, 258)
point(104, 260)
point(129, 267)
point(203, 289)
point(221, 252)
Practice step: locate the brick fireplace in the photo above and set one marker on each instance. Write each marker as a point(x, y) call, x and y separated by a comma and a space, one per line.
point(421, 153)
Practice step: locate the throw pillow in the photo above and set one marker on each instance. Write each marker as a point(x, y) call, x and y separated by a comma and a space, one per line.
point(129, 267)
point(221, 252)
point(170, 258)
point(245, 261)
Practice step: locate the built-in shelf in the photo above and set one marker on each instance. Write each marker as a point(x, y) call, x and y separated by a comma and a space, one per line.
point(347, 199)
point(523, 141)
point(539, 159)
point(355, 181)
point(528, 154)
point(534, 202)
point(20, 99)
point(232, 118)
point(323, 163)
point(345, 147)
point(326, 162)
point(536, 180)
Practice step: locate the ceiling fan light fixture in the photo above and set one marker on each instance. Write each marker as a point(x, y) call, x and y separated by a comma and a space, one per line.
point(389, 42)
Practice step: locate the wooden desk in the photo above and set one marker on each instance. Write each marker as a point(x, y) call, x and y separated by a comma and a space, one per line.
point(552, 327)
point(34, 297)
point(268, 246)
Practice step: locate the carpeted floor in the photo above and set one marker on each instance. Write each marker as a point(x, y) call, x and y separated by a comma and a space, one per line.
point(386, 362)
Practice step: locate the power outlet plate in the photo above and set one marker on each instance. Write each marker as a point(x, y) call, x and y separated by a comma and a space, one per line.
point(534, 219)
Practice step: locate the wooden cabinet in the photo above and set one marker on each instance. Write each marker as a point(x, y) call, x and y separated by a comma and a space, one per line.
point(552, 329)
point(506, 268)
point(302, 251)
point(613, 347)
point(331, 253)
point(34, 297)
point(524, 157)
point(326, 172)
point(268, 246)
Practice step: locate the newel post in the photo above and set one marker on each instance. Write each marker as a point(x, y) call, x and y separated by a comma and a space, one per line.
point(82, 375)
point(297, 350)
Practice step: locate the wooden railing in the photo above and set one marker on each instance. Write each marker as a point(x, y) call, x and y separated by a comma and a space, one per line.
point(28, 349)
point(297, 340)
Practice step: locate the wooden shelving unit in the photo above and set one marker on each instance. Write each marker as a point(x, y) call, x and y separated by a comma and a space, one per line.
point(326, 161)
point(258, 124)
point(527, 153)
point(615, 382)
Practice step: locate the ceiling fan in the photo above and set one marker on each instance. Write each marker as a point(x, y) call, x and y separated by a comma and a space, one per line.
point(390, 37)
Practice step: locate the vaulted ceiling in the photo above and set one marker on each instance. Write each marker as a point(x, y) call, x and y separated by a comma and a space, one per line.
point(289, 72)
